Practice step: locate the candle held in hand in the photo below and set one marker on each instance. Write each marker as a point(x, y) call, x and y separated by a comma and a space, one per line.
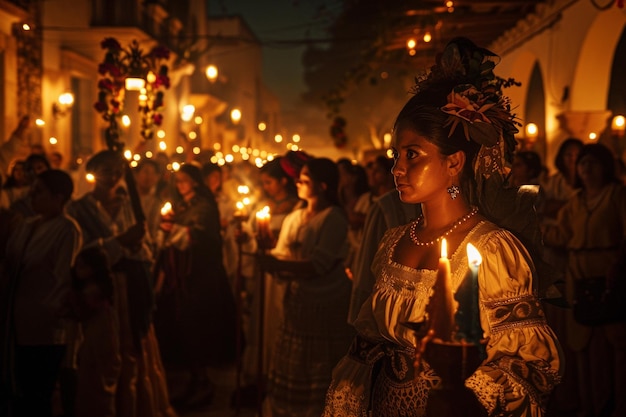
point(263, 228)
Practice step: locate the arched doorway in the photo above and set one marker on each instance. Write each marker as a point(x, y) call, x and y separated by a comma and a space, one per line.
point(535, 112)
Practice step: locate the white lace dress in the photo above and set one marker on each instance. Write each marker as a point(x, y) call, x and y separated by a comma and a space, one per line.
point(522, 354)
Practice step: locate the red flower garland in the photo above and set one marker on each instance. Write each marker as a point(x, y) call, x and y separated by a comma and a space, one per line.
point(118, 64)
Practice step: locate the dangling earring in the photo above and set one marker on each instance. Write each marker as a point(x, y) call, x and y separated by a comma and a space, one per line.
point(454, 191)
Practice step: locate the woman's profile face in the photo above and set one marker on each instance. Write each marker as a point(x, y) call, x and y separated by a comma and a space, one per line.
point(419, 170)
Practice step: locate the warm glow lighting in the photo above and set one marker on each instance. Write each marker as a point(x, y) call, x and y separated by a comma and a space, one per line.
point(262, 126)
point(187, 113)
point(294, 147)
point(217, 146)
point(211, 73)
point(239, 205)
point(193, 135)
point(411, 43)
point(387, 139)
point(278, 138)
point(295, 138)
point(134, 83)
point(246, 201)
point(133, 164)
point(166, 209)
point(151, 77)
point(90, 177)
point(143, 97)
point(243, 189)
point(593, 136)
point(428, 37)
point(198, 120)
point(235, 115)
point(162, 146)
point(160, 133)
point(40, 122)
point(196, 150)
point(136, 157)
point(473, 256)
point(412, 52)
point(66, 99)
point(444, 248)
point(229, 158)
point(235, 148)
point(53, 140)
point(618, 125)
point(175, 166)
point(148, 154)
point(389, 153)
point(26, 26)
point(128, 154)
point(180, 149)
point(531, 130)
point(125, 120)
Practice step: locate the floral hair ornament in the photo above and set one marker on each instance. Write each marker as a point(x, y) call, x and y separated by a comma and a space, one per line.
point(476, 103)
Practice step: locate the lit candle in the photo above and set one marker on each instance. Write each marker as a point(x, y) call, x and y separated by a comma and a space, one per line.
point(166, 209)
point(442, 302)
point(240, 210)
point(263, 228)
point(468, 314)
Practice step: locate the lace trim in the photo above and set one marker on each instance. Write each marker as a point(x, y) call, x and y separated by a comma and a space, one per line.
point(536, 378)
point(523, 311)
point(489, 393)
point(343, 402)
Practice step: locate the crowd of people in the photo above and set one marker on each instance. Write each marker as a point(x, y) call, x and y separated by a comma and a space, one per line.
point(108, 293)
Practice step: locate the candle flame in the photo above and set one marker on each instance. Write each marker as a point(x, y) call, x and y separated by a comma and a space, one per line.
point(239, 205)
point(473, 256)
point(167, 208)
point(444, 248)
point(264, 213)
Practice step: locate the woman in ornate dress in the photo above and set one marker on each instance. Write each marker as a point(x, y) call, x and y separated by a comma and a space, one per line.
point(451, 141)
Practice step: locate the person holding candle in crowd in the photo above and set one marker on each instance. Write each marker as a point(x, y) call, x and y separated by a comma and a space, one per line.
point(452, 142)
point(135, 384)
point(313, 333)
point(195, 316)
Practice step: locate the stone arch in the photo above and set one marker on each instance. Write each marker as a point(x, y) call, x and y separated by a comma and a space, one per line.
point(591, 79)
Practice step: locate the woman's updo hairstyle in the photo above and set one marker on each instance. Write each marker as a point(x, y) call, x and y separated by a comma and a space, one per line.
point(458, 106)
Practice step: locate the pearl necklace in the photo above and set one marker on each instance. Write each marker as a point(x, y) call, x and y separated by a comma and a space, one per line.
point(456, 224)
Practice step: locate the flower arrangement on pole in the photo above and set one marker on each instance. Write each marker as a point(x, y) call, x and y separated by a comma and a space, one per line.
point(119, 65)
